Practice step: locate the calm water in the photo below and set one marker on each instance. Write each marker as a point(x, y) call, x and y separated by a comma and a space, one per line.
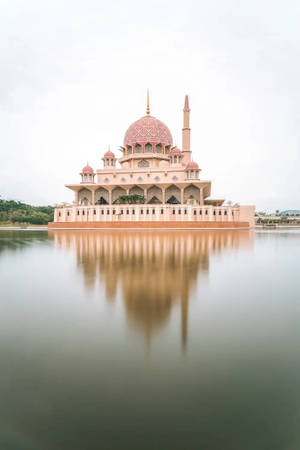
point(150, 340)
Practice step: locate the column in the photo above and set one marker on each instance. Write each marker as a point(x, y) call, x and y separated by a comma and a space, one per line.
point(182, 196)
point(201, 196)
point(93, 197)
point(76, 197)
point(109, 197)
point(64, 214)
point(163, 196)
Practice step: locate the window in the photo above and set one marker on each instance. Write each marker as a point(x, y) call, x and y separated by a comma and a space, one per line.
point(107, 211)
point(121, 211)
point(147, 211)
point(102, 212)
point(185, 211)
point(206, 211)
point(153, 211)
point(142, 211)
point(78, 212)
point(143, 163)
point(95, 211)
point(133, 211)
point(59, 214)
point(161, 211)
point(200, 212)
point(225, 213)
point(83, 213)
point(179, 211)
point(68, 213)
point(127, 211)
point(114, 211)
point(173, 212)
point(214, 212)
point(195, 212)
point(220, 212)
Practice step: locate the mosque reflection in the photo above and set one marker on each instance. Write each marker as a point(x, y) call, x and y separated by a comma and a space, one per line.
point(155, 271)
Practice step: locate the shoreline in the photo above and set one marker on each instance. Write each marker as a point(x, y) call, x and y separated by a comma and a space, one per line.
point(46, 228)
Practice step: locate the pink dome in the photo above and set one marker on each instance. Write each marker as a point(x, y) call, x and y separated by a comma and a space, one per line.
point(109, 154)
point(87, 169)
point(148, 129)
point(175, 151)
point(192, 165)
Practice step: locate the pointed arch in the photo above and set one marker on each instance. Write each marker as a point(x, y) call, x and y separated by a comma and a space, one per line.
point(154, 195)
point(136, 190)
point(191, 194)
point(117, 192)
point(101, 196)
point(85, 197)
point(173, 194)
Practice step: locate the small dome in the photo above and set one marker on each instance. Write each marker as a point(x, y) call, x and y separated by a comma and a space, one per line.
point(109, 154)
point(192, 165)
point(87, 169)
point(148, 129)
point(175, 151)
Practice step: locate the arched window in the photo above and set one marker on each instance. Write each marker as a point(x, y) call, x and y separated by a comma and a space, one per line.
point(138, 148)
point(148, 148)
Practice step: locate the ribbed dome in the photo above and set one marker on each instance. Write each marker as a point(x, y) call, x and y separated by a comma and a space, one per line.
point(148, 129)
point(109, 154)
point(175, 151)
point(192, 165)
point(87, 169)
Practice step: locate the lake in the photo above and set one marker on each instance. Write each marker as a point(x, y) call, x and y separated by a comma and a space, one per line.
point(150, 340)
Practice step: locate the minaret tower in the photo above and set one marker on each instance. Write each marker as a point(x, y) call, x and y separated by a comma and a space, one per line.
point(186, 132)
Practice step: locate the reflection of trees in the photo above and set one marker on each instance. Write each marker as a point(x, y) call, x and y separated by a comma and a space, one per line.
point(156, 270)
point(15, 240)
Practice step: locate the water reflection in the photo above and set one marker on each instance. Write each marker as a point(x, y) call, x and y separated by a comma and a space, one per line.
point(15, 240)
point(155, 271)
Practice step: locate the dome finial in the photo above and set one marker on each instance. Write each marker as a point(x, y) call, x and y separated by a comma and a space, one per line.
point(148, 107)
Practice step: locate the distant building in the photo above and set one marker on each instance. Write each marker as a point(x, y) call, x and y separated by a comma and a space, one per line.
point(157, 185)
point(290, 213)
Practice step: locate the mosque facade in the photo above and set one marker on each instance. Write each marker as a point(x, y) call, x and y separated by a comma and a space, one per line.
point(154, 184)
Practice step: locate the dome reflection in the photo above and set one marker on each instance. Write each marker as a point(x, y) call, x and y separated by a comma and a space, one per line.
point(155, 270)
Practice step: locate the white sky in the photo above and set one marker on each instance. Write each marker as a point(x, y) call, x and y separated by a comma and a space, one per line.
point(74, 74)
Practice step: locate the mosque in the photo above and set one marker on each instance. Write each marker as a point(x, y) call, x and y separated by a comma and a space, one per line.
point(154, 185)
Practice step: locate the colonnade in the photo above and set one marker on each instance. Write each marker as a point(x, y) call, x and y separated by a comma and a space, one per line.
point(152, 194)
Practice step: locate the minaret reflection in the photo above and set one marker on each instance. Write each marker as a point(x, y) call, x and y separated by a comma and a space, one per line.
point(155, 270)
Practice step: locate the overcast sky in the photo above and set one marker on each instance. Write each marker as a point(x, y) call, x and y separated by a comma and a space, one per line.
point(74, 74)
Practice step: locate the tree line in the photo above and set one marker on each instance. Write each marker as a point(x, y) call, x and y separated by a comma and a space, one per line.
point(19, 212)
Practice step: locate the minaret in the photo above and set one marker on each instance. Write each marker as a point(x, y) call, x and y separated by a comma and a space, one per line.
point(186, 132)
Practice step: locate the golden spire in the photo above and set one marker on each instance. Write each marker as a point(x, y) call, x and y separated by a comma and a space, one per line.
point(148, 107)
